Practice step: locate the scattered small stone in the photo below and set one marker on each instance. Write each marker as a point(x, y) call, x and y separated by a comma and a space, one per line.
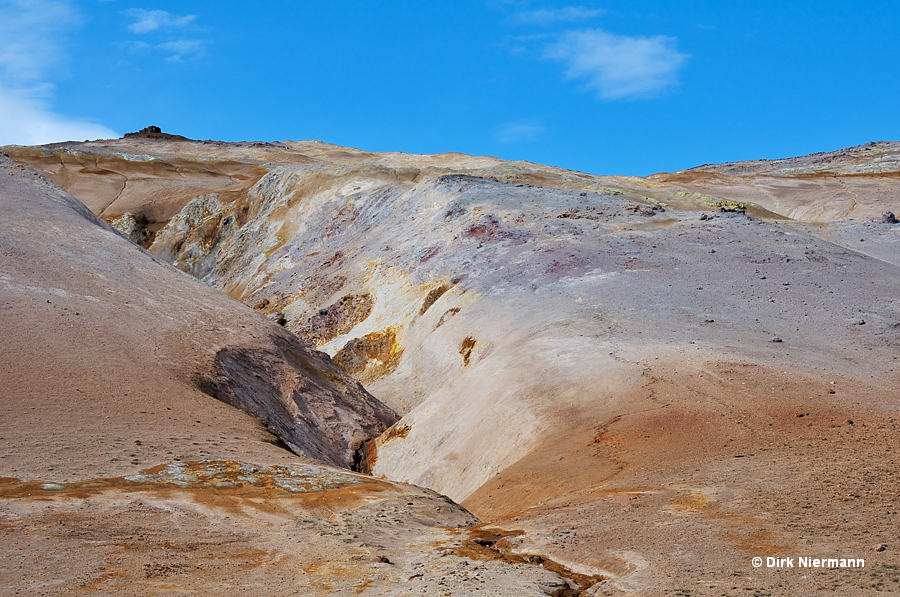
point(777, 339)
point(384, 560)
point(888, 217)
point(849, 421)
point(881, 547)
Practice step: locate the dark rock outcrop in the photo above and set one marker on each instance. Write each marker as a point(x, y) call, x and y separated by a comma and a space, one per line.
point(154, 132)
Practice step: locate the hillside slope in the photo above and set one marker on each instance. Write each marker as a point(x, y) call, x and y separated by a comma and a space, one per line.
point(655, 378)
point(857, 182)
point(103, 344)
point(119, 476)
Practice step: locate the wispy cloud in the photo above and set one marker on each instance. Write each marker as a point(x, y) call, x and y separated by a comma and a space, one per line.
point(550, 16)
point(146, 21)
point(32, 47)
point(27, 119)
point(617, 66)
point(175, 51)
point(31, 34)
point(514, 132)
point(183, 48)
point(161, 25)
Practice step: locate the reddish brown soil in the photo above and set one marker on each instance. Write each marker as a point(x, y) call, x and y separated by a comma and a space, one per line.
point(803, 472)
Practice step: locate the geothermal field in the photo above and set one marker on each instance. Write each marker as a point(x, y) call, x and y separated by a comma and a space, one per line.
point(301, 369)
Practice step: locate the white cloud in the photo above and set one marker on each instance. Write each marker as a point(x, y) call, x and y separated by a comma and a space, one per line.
point(513, 132)
point(618, 66)
point(31, 33)
point(25, 119)
point(32, 46)
point(146, 21)
point(548, 16)
point(181, 48)
point(175, 50)
point(160, 21)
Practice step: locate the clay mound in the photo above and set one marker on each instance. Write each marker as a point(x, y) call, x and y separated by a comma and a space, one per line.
point(855, 183)
point(153, 179)
point(562, 353)
point(107, 352)
point(121, 475)
point(655, 379)
point(154, 176)
point(228, 527)
point(881, 157)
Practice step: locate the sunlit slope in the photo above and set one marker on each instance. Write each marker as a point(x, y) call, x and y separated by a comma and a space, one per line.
point(647, 361)
point(110, 355)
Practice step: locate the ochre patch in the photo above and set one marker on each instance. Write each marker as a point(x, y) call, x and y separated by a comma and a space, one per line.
point(465, 349)
point(433, 295)
point(372, 356)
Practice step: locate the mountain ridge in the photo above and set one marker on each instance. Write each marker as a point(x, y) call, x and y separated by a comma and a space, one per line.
point(676, 362)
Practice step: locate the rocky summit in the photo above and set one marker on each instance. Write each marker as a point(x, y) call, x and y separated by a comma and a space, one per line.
point(301, 369)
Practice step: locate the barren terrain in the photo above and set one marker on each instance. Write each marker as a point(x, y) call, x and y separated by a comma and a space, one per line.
point(635, 385)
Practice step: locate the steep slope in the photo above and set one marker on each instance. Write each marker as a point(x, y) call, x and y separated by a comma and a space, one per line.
point(119, 476)
point(655, 378)
point(104, 345)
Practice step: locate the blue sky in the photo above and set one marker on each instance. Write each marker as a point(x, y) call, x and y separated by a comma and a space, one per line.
point(609, 88)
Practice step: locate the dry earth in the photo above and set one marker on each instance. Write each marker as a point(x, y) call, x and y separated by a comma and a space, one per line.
point(637, 385)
